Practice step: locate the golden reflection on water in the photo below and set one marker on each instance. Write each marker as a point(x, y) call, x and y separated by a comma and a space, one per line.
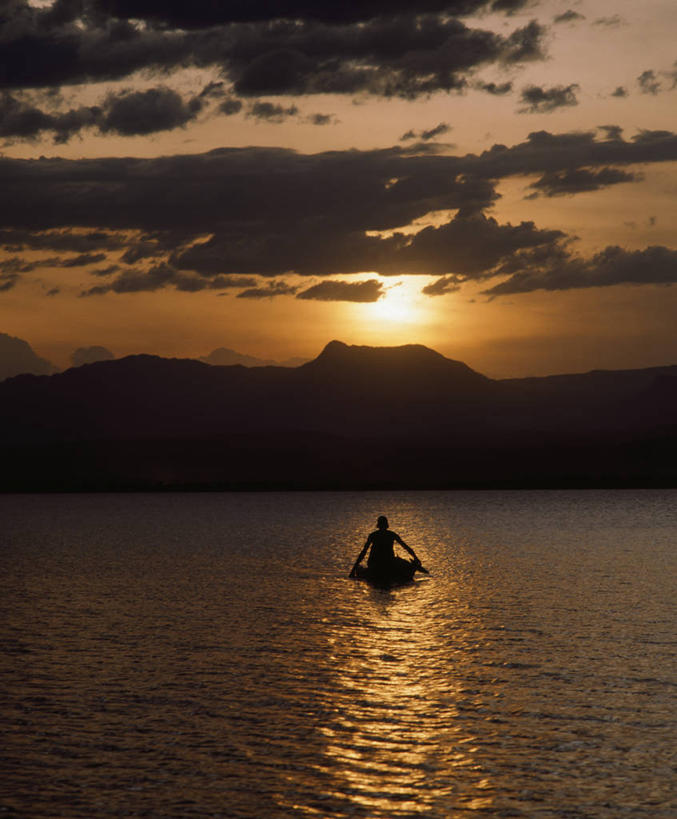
point(395, 740)
point(149, 671)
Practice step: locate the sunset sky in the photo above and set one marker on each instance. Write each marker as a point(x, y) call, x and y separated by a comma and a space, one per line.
point(496, 179)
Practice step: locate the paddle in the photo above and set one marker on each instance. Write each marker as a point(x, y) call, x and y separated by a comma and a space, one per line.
point(419, 567)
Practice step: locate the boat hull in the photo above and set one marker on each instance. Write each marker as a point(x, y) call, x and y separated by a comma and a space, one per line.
point(397, 573)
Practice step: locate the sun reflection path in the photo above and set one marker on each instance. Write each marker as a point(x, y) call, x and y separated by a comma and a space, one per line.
point(395, 746)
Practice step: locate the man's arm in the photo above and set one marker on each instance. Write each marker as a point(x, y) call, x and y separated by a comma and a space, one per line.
point(407, 548)
point(360, 556)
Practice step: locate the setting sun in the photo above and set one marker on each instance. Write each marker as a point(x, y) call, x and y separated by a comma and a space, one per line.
point(400, 303)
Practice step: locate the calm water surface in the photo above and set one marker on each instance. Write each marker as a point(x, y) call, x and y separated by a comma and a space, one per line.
point(205, 655)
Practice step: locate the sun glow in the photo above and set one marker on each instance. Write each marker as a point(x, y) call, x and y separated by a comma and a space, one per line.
point(400, 303)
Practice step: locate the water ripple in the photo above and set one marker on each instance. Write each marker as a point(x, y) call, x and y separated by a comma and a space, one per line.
point(152, 665)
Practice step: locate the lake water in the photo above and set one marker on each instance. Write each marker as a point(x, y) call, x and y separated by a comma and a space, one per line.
point(188, 655)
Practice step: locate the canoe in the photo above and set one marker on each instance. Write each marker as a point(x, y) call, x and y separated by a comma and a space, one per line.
point(397, 573)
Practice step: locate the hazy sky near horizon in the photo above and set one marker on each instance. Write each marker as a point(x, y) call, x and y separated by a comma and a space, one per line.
point(496, 179)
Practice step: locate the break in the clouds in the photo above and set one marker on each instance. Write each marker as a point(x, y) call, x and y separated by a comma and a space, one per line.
point(261, 49)
point(539, 100)
point(331, 290)
point(222, 219)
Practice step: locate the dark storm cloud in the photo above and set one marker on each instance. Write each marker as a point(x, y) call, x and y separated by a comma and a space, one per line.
point(230, 106)
point(331, 290)
point(259, 203)
point(444, 285)
point(20, 119)
point(145, 112)
point(105, 271)
point(206, 13)
point(544, 152)
point(233, 189)
point(16, 265)
point(322, 119)
point(128, 113)
point(569, 16)
point(268, 291)
point(384, 49)
point(508, 6)
point(560, 270)
point(136, 281)
point(497, 90)
point(580, 180)
point(538, 100)
point(76, 241)
point(269, 212)
point(648, 82)
point(160, 276)
point(7, 281)
point(271, 111)
point(613, 132)
point(142, 250)
point(402, 57)
point(40, 49)
point(10, 270)
point(471, 245)
point(82, 260)
point(439, 130)
point(467, 245)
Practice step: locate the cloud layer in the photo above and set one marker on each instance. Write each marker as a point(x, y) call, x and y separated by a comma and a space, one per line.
point(261, 48)
point(223, 219)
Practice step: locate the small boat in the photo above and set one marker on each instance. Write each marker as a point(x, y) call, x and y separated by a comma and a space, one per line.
point(397, 573)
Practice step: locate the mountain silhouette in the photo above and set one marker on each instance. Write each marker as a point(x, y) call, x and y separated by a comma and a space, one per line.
point(225, 357)
point(354, 416)
point(17, 356)
point(410, 362)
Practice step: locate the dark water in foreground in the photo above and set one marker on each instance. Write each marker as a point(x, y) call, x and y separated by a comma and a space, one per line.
point(205, 655)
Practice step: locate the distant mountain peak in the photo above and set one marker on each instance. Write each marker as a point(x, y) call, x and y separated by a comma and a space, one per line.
point(339, 349)
point(414, 358)
point(18, 357)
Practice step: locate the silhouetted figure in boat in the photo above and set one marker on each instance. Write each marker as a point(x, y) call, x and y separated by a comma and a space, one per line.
point(382, 564)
